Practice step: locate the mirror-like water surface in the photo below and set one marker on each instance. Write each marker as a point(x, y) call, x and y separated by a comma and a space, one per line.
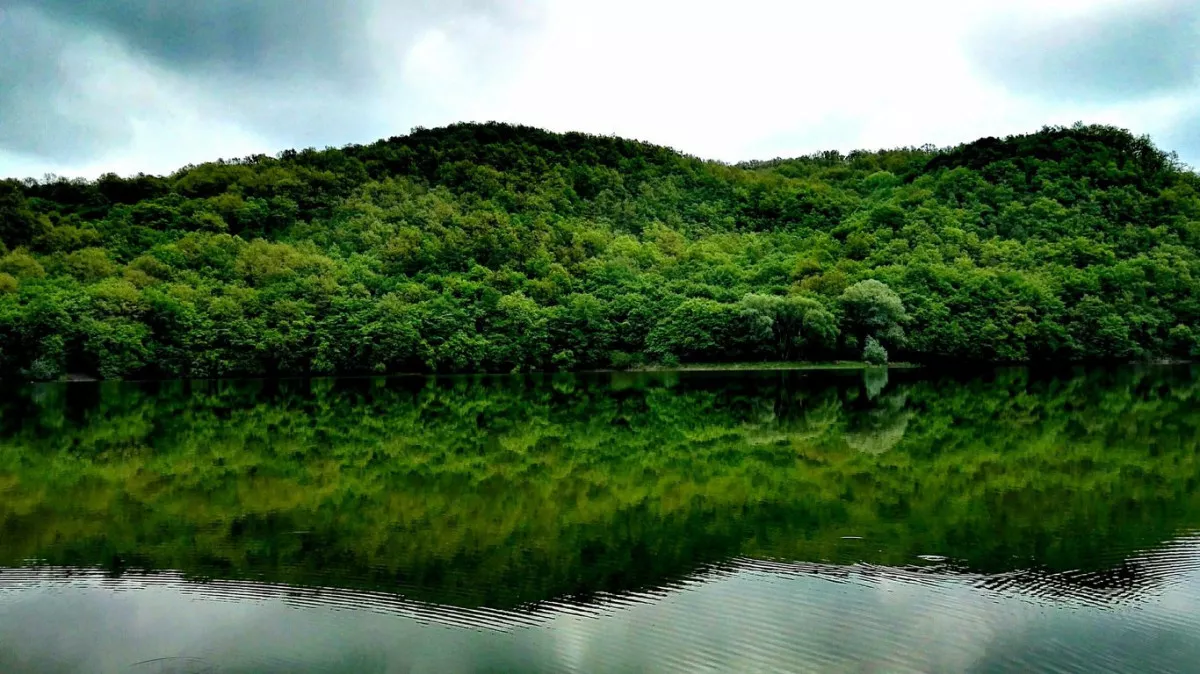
point(770, 521)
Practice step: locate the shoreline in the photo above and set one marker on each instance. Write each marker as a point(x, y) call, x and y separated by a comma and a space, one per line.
point(760, 366)
point(769, 365)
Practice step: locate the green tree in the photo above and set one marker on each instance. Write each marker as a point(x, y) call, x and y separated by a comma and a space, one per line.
point(18, 222)
point(787, 326)
point(90, 264)
point(20, 264)
point(874, 353)
point(871, 309)
point(696, 330)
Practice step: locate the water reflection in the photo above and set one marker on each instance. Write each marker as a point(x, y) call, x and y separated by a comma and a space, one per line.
point(1147, 574)
point(746, 615)
point(510, 504)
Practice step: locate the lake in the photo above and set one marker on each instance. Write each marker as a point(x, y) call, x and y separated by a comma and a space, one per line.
point(1005, 520)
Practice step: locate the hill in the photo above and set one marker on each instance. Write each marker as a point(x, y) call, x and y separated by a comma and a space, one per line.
point(494, 247)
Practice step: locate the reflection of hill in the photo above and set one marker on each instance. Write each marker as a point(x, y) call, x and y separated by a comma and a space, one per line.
point(497, 492)
point(1145, 574)
point(1134, 577)
point(1142, 574)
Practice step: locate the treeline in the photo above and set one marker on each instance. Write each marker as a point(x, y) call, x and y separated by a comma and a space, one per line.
point(500, 248)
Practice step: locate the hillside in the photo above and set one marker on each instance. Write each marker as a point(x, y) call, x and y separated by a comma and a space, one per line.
point(495, 247)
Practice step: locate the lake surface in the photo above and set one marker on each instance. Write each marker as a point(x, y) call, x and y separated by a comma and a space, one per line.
point(911, 521)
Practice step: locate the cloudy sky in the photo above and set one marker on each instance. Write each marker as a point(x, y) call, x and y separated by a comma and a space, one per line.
point(88, 86)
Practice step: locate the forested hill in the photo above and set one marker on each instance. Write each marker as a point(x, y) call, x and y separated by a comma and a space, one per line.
point(495, 247)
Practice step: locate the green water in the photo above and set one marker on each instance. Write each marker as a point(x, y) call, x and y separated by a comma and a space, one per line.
point(915, 520)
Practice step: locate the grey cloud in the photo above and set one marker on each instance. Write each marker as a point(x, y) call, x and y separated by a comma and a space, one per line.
point(270, 38)
point(297, 72)
point(1136, 50)
point(41, 112)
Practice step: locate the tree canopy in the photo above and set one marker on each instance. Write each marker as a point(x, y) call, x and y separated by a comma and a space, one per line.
point(494, 247)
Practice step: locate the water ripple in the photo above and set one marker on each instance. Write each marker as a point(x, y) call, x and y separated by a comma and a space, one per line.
point(750, 614)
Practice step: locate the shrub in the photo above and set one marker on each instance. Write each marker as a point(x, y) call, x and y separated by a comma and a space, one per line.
point(874, 353)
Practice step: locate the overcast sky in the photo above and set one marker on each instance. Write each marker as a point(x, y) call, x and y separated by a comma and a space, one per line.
point(88, 86)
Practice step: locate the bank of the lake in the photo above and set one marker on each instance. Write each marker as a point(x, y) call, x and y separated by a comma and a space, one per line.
point(769, 366)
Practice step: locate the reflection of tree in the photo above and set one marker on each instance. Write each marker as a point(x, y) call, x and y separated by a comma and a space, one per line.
point(502, 490)
point(875, 379)
point(882, 426)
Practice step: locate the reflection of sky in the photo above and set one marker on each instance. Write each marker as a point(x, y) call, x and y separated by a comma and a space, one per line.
point(754, 618)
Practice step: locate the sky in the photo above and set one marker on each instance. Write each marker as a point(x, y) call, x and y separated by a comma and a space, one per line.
point(91, 86)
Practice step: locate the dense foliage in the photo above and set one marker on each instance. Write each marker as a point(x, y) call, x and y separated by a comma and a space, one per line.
point(499, 491)
point(493, 247)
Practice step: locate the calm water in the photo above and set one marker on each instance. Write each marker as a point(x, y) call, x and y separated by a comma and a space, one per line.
point(909, 521)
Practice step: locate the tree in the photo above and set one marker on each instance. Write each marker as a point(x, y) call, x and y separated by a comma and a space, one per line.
point(18, 223)
point(90, 264)
point(697, 330)
point(786, 327)
point(874, 353)
point(871, 309)
point(22, 265)
point(1183, 342)
point(582, 326)
point(519, 335)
